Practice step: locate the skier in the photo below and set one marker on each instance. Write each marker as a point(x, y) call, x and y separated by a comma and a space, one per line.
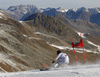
point(64, 59)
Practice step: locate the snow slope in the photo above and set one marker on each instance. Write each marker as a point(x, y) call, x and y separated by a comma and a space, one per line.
point(68, 71)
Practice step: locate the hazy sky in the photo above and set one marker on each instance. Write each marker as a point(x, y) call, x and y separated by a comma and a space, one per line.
point(52, 3)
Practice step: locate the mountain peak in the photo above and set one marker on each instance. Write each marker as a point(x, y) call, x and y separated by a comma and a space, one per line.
point(20, 12)
point(83, 8)
point(31, 17)
point(60, 9)
point(12, 8)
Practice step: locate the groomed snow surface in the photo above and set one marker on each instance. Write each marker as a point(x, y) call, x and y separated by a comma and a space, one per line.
point(67, 71)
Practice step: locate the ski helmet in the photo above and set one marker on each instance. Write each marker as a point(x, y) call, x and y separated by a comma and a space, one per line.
point(58, 52)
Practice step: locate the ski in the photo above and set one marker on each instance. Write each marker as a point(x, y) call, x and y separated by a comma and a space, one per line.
point(44, 69)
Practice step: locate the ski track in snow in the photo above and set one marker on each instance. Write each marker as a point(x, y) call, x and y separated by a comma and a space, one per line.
point(68, 71)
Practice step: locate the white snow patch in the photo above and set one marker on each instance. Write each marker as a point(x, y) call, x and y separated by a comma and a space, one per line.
point(25, 11)
point(81, 34)
point(38, 33)
point(98, 10)
point(63, 10)
point(92, 43)
point(20, 21)
point(74, 9)
point(25, 35)
point(31, 37)
point(34, 38)
point(59, 47)
point(60, 9)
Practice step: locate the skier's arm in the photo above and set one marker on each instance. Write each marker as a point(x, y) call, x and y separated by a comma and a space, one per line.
point(57, 57)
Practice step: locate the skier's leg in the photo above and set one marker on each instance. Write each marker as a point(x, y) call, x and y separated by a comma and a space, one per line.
point(66, 60)
point(56, 65)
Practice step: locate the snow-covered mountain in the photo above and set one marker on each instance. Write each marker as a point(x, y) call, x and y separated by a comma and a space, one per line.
point(24, 8)
point(60, 9)
point(20, 12)
point(91, 10)
point(87, 14)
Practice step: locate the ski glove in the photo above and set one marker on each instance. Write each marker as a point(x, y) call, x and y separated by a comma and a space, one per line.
point(53, 61)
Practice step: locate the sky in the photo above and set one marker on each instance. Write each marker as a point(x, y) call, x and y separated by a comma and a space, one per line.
point(4, 4)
